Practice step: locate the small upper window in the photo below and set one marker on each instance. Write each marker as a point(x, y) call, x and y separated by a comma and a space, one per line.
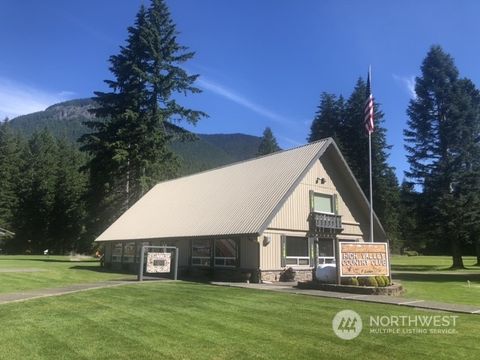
point(323, 203)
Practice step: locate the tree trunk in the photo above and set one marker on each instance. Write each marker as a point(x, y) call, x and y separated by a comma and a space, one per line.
point(477, 250)
point(456, 253)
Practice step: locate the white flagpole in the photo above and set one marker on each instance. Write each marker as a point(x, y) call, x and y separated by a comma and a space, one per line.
point(370, 163)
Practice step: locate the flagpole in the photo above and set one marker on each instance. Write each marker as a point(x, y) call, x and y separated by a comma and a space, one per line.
point(370, 156)
point(371, 187)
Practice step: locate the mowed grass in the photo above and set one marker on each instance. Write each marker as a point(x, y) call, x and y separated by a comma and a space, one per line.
point(178, 320)
point(429, 278)
point(53, 271)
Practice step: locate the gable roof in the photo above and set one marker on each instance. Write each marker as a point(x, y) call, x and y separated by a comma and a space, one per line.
point(241, 198)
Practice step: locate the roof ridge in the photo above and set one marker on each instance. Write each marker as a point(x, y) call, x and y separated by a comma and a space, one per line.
point(244, 161)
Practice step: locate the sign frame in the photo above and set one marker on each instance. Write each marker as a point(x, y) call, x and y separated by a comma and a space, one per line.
point(142, 259)
point(367, 244)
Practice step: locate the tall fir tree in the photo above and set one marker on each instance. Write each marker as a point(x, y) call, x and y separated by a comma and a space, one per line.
point(36, 193)
point(344, 122)
point(268, 143)
point(129, 140)
point(10, 150)
point(443, 150)
point(329, 119)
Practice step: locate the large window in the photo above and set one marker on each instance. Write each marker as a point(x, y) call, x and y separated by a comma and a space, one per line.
point(323, 203)
point(296, 251)
point(225, 252)
point(201, 252)
point(326, 251)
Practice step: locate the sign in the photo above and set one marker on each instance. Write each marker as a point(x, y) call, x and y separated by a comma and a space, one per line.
point(364, 259)
point(158, 262)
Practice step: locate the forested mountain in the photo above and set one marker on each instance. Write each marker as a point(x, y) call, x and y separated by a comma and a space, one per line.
point(65, 120)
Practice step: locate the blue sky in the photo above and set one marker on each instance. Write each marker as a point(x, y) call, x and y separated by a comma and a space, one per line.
point(262, 63)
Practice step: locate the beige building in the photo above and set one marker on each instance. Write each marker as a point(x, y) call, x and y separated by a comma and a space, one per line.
point(252, 219)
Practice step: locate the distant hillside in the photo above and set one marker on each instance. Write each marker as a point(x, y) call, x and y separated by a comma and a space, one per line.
point(65, 120)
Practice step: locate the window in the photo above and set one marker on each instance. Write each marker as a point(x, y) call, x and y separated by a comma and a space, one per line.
point(201, 251)
point(225, 252)
point(117, 252)
point(323, 203)
point(326, 251)
point(297, 251)
point(129, 252)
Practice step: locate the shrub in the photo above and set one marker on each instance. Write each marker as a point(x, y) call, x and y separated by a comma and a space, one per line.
point(380, 281)
point(368, 281)
point(288, 275)
point(386, 280)
point(410, 253)
point(355, 281)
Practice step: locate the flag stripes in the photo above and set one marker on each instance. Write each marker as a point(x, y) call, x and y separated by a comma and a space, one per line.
point(369, 125)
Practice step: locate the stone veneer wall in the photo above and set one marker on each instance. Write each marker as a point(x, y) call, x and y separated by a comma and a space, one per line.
point(274, 275)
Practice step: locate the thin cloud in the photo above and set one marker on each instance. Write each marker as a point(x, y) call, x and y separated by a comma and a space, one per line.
point(20, 99)
point(241, 100)
point(408, 82)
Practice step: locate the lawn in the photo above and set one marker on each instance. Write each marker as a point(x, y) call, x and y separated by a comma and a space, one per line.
point(19, 273)
point(178, 320)
point(429, 278)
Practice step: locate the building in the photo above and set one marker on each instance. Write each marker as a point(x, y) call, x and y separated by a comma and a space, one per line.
point(255, 218)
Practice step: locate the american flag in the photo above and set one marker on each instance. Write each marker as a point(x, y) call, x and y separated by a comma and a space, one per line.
point(369, 125)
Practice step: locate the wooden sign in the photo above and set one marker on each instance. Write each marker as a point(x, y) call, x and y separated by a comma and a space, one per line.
point(364, 259)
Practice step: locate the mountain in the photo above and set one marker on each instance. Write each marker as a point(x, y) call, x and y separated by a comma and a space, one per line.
point(65, 120)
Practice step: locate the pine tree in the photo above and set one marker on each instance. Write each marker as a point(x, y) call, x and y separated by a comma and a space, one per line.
point(10, 148)
point(443, 150)
point(268, 143)
point(129, 140)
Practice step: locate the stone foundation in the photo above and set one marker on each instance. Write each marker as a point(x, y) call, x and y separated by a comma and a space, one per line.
point(276, 275)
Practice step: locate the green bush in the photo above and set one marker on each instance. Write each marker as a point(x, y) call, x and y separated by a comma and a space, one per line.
point(380, 281)
point(355, 281)
point(410, 253)
point(386, 280)
point(368, 281)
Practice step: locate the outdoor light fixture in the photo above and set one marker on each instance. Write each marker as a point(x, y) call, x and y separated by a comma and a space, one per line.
point(320, 180)
point(266, 240)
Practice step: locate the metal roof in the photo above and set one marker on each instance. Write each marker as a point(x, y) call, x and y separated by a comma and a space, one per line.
point(241, 198)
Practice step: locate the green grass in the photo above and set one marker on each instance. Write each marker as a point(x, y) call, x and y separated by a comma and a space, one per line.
point(429, 278)
point(195, 321)
point(54, 271)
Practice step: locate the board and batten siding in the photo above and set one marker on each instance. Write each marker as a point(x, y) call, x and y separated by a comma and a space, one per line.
point(294, 213)
point(292, 217)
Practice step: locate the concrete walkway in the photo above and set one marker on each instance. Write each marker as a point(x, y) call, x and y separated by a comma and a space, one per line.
point(391, 300)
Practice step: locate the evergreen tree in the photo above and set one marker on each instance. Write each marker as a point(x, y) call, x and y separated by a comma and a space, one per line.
point(66, 226)
point(36, 193)
point(344, 122)
point(268, 143)
point(443, 150)
point(10, 148)
point(128, 143)
point(329, 119)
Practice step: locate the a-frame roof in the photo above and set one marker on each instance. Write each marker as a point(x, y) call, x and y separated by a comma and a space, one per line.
point(238, 199)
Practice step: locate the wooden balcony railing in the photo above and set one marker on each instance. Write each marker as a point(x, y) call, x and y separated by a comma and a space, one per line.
point(325, 223)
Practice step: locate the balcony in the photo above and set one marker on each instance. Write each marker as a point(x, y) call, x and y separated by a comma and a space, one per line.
point(325, 224)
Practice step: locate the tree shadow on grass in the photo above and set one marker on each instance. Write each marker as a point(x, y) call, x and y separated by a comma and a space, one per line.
point(51, 260)
point(442, 277)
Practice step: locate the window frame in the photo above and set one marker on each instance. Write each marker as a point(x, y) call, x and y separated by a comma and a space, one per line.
point(297, 258)
point(332, 203)
point(208, 258)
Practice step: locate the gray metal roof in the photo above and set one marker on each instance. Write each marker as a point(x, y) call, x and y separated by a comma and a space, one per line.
point(241, 198)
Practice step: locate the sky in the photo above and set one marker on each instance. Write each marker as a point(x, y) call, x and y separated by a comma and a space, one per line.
point(261, 63)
